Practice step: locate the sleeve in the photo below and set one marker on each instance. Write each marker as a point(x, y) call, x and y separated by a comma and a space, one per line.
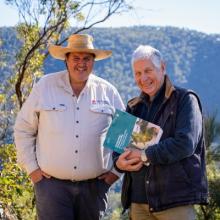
point(118, 103)
point(115, 156)
point(25, 132)
point(188, 131)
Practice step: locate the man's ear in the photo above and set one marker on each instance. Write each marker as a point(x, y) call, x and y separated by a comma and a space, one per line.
point(163, 67)
point(66, 64)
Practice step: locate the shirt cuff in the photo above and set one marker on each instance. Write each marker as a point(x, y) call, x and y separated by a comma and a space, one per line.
point(31, 167)
point(116, 172)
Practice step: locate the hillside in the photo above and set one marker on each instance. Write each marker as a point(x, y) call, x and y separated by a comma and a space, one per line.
point(192, 58)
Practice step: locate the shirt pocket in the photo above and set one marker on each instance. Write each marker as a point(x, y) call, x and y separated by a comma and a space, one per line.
point(103, 109)
point(101, 117)
point(53, 117)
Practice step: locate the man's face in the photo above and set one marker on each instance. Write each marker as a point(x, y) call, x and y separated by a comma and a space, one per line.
point(80, 65)
point(148, 78)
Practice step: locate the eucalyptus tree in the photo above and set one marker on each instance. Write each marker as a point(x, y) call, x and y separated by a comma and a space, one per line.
point(43, 21)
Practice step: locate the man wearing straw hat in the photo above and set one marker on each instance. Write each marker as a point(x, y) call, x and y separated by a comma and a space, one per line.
point(59, 134)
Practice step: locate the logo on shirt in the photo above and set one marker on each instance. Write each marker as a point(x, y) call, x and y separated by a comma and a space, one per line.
point(100, 102)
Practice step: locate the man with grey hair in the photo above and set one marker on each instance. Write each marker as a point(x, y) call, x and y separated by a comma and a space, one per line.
point(165, 180)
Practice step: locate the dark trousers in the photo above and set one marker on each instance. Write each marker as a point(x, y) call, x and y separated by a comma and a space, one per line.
point(66, 200)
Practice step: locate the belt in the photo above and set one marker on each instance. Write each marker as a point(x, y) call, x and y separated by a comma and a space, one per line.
point(75, 181)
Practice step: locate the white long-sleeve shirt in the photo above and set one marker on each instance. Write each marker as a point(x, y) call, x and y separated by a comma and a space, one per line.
point(63, 134)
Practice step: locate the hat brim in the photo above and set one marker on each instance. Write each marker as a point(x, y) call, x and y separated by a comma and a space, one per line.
point(59, 52)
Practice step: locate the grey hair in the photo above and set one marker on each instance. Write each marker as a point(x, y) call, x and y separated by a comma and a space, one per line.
point(147, 52)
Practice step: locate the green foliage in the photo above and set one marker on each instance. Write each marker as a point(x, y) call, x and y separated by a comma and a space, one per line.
point(212, 211)
point(42, 22)
point(16, 191)
point(114, 211)
point(2, 55)
point(212, 134)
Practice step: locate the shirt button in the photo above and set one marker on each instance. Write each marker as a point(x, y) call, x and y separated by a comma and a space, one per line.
point(147, 182)
point(77, 108)
point(77, 136)
point(151, 209)
point(76, 151)
point(77, 122)
point(75, 167)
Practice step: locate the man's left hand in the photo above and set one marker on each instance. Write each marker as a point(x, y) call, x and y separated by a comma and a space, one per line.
point(108, 177)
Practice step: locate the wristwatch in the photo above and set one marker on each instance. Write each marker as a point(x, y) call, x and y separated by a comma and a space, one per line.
point(143, 156)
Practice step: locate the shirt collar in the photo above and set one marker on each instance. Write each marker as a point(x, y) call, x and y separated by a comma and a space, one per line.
point(167, 88)
point(65, 82)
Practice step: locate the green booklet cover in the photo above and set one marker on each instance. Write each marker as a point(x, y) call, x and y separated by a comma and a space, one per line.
point(126, 130)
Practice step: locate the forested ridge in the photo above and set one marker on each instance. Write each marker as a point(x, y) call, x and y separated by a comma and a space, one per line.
point(192, 58)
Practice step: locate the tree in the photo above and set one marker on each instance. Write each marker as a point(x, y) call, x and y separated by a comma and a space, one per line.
point(43, 21)
point(212, 134)
point(16, 191)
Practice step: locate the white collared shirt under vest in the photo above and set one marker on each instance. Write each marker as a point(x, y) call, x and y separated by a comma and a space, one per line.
point(63, 134)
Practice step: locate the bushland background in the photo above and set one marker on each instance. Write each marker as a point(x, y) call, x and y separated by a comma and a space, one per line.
point(192, 60)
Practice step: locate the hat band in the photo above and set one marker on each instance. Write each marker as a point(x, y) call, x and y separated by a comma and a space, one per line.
point(80, 45)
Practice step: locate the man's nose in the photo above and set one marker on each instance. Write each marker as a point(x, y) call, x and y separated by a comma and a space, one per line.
point(81, 62)
point(144, 77)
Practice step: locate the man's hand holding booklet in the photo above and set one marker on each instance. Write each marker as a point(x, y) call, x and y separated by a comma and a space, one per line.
point(128, 131)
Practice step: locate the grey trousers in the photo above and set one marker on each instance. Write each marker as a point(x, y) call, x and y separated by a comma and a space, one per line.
point(67, 200)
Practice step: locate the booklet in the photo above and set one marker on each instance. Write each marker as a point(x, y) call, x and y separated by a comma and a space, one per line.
point(126, 130)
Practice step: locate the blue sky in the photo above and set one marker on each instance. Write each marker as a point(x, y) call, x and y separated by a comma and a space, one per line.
point(200, 15)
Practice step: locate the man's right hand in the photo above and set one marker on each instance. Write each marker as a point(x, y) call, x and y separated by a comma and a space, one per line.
point(127, 163)
point(37, 175)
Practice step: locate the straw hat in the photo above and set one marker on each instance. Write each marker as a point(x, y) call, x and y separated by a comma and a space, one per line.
point(78, 43)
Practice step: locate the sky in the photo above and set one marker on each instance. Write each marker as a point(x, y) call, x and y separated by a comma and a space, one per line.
point(200, 15)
